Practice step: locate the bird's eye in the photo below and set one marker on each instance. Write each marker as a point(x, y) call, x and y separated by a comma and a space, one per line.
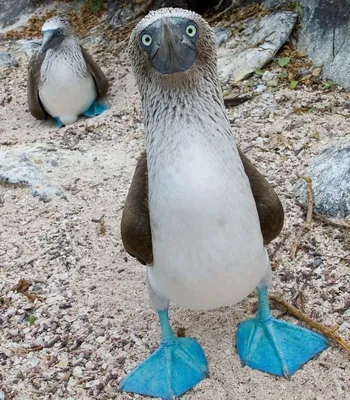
point(60, 31)
point(146, 39)
point(191, 30)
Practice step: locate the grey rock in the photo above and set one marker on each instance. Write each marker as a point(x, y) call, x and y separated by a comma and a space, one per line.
point(330, 175)
point(222, 35)
point(21, 167)
point(29, 47)
point(272, 31)
point(274, 3)
point(12, 11)
point(260, 89)
point(122, 12)
point(268, 76)
point(2, 395)
point(7, 60)
point(324, 36)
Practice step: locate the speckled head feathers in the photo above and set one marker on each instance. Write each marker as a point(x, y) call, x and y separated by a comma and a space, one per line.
point(205, 50)
point(167, 12)
point(57, 23)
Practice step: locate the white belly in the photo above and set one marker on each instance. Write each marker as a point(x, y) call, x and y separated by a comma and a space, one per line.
point(207, 243)
point(66, 95)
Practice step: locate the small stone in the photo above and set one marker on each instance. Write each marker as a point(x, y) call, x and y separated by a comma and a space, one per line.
point(92, 384)
point(101, 339)
point(62, 364)
point(272, 83)
point(13, 332)
point(77, 372)
point(260, 89)
point(317, 262)
point(2, 395)
point(268, 76)
point(34, 361)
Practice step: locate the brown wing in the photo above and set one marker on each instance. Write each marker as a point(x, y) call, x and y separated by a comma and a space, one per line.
point(95, 70)
point(135, 226)
point(35, 106)
point(268, 204)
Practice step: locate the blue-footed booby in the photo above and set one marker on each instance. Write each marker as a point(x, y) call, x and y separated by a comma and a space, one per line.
point(198, 213)
point(63, 80)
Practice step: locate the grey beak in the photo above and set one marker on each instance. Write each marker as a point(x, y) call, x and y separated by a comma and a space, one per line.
point(51, 39)
point(171, 52)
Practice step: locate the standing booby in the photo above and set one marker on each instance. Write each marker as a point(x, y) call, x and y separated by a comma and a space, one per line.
point(63, 80)
point(198, 213)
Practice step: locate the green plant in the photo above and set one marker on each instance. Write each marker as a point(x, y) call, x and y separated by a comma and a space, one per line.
point(94, 5)
point(31, 319)
point(298, 9)
point(259, 72)
point(329, 84)
point(283, 61)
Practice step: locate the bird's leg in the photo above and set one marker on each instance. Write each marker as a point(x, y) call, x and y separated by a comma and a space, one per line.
point(95, 109)
point(175, 367)
point(57, 122)
point(275, 346)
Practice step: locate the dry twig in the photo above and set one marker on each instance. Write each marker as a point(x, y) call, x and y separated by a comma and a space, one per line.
point(40, 347)
point(217, 16)
point(102, 225)
point(276, 249)
point(326, 220)
point(307, 224)
point(22, 287)
point(330, 333)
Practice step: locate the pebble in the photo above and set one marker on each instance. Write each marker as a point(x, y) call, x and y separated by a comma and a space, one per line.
point(268, 76)
point(260, 89)
point(92, 384)
point(77, 372)
point(101, 339)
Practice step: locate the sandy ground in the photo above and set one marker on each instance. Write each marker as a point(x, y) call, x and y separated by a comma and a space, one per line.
point(94, 319)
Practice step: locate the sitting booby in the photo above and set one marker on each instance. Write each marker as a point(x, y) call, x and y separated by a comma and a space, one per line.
point(198, 213)
point(63, 80)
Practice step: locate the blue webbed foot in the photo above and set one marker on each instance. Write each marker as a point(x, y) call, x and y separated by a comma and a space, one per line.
point(57, 122)
point(175, 367)
point(95, 109)
point(274, 346)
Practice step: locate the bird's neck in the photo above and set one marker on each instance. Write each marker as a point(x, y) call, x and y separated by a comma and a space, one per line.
point(175, 116)
point(69, 46)
point(68, 53)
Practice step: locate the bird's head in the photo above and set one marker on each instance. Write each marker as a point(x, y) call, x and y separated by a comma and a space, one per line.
point(172, 44)
point(54, 31)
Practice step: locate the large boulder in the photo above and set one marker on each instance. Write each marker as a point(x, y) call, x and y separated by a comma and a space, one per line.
point(12, 12)
point(256, 45)
point(324, 36)
point(124, 11)
point(330, 175)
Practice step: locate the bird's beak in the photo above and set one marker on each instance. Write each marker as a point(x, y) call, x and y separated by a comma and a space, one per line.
point(50, 39)
point(171, 52)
